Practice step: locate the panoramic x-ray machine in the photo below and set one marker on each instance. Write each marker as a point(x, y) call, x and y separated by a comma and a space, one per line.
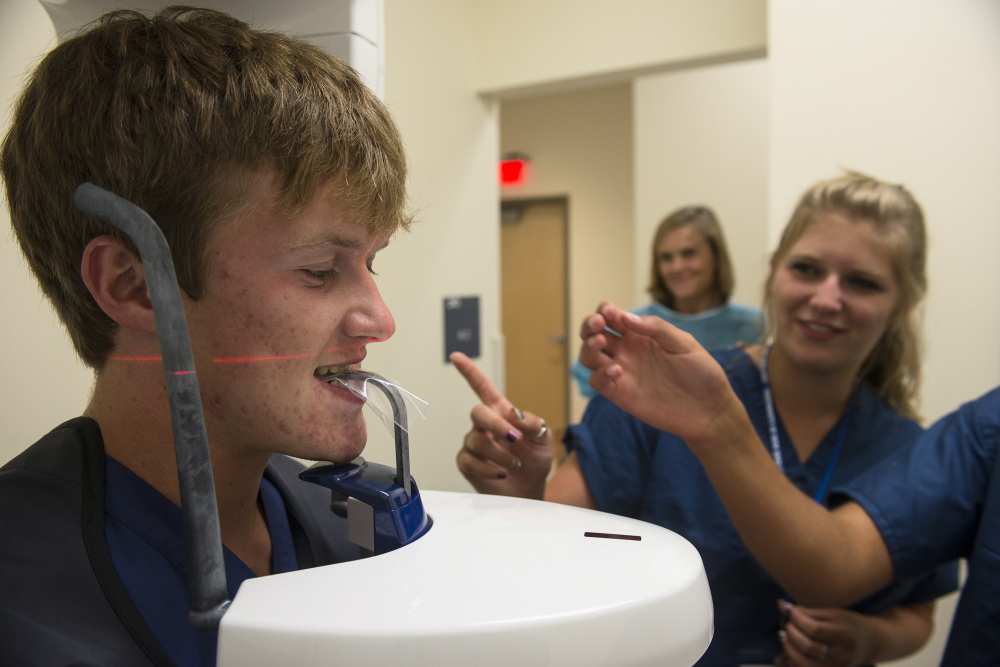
point(456, 579)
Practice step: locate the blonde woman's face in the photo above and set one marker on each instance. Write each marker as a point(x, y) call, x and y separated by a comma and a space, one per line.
point(834, 294)
point(686, 265)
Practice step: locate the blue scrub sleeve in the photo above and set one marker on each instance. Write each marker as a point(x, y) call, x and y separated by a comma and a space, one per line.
point(614, 450)
point(927, 501)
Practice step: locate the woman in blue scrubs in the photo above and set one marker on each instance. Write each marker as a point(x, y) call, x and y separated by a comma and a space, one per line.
point(830, 395)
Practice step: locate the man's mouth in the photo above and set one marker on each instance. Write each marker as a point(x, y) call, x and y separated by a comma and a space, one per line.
point(329, 373)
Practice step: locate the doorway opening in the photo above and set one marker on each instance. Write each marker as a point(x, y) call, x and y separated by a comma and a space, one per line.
point(534, 296)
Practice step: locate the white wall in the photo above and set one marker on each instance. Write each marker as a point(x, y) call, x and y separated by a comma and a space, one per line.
point(440, 54)
point(910, 92)
point(701, 137)
point(451, 142)
point(526, 44)
point(580, 144)
point(42, 382)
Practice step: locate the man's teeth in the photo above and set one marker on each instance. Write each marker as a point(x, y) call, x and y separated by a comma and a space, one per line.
point(324, 371)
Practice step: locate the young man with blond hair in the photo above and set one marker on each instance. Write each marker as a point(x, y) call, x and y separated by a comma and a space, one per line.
point(276, 177)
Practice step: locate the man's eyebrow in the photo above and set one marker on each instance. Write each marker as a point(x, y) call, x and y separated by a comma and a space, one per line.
point(325, 240)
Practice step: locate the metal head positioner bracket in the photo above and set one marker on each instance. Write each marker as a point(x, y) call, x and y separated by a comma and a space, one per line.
point(384, 511)
point(400, 424)
point(202, 534)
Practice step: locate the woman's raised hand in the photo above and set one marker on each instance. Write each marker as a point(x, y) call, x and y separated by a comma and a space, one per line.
point(507, 452)
point(656, 372)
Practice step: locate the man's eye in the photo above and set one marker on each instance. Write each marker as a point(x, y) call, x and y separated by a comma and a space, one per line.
point(320, 275)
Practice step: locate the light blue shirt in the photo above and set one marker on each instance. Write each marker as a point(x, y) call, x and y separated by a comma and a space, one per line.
point(716, 329)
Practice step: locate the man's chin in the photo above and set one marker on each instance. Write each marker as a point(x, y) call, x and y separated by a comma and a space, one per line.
point(340, 446)
point(346, 448)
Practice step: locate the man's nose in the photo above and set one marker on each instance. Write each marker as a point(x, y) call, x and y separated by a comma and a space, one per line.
point(370, 317)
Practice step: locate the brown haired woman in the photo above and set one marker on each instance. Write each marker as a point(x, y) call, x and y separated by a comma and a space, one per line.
point(691, 280)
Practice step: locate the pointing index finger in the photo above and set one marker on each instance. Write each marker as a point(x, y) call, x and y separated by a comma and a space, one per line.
point(476, 378)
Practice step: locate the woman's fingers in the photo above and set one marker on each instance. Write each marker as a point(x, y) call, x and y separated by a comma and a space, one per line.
point(808, 641)
point(477, 379)
point(535, 431)
point(485, 419)
point(481, 457)
point(507, 452)
point(496, 415)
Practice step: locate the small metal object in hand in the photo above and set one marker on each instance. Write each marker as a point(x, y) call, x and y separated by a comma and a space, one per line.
point(541, 434)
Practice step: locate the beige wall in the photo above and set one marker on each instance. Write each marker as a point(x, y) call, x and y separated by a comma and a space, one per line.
point(42, 383)
point(910, 93)
point(701, 138)
point(580, 145)
point(451, 142)
point(526, 44)
point(439, 55)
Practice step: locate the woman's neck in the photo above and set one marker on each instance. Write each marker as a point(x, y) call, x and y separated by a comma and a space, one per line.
point(699, 303)
point(810, 404)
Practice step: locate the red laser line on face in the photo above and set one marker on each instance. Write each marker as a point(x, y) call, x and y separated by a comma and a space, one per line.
point(223, 360)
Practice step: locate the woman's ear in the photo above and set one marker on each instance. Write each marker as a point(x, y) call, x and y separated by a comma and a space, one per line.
point(115, 277)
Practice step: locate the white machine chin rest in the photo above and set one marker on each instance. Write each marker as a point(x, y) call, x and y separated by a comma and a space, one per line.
point(496, 581)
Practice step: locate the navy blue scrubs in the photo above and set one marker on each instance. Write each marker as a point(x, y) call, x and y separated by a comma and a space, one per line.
point(635, 470)
point(144, 533)
point(938, 501)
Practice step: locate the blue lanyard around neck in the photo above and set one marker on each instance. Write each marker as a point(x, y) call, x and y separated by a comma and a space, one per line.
point(772, 428)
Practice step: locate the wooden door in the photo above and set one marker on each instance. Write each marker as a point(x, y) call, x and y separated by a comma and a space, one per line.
point(534, 309)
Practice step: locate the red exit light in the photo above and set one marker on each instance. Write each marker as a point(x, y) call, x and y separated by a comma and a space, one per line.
point(513, 172)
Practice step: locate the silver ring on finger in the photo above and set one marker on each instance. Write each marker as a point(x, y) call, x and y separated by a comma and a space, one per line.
point(824, 653)
point(541, 435)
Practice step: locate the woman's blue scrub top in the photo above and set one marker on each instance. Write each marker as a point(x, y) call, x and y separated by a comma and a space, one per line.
point(635, 470)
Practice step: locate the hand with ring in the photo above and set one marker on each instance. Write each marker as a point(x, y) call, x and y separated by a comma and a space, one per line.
point(507, 452)
point(825, 637)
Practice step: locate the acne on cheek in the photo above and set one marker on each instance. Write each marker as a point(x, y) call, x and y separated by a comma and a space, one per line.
point(214, 405)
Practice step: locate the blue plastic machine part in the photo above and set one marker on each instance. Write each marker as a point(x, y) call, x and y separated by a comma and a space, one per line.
point(395, 518)
point(386, 511)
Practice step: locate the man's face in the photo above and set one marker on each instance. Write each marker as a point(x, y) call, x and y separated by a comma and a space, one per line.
point(285, 298)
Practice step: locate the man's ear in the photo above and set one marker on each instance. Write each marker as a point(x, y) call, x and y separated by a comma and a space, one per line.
point(115, 277)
